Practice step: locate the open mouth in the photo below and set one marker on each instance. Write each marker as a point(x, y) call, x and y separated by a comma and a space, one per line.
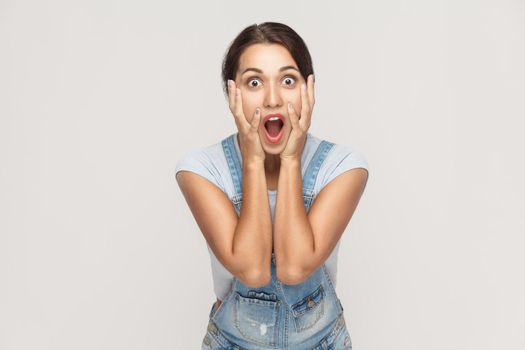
point(273, 124)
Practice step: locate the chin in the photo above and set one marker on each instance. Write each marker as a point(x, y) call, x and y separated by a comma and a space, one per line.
point(274, 150)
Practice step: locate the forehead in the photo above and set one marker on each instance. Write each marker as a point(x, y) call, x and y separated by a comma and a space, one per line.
point(267, 57)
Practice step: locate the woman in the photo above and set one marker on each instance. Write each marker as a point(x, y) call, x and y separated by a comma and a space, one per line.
point(272, 202)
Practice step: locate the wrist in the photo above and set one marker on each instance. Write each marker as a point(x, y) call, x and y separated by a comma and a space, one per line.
point(253, 164)
point(290, 161)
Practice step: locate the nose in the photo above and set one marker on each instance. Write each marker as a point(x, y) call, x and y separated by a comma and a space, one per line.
point(272, 98)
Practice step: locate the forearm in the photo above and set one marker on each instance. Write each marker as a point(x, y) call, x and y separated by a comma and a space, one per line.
point(252, 241)
point(293, 236)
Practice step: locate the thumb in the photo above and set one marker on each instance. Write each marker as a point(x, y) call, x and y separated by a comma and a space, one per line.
point(256, 119)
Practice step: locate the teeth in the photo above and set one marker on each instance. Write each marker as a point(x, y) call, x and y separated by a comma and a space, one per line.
point(274, 118)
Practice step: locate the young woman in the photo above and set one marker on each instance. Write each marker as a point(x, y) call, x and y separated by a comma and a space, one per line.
point(272, 201)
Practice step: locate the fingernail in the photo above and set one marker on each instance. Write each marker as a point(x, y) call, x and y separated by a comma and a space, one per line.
point(237, 92)
point(303, 86)
point(290, 105)
point(257, 111)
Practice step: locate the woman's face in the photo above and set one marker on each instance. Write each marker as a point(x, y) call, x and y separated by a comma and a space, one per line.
point(268, 78)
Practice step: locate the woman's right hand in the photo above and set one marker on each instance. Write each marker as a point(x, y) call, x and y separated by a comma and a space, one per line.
point(249, 140)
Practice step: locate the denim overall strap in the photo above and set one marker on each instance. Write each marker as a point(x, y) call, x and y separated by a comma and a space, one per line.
point(310, 176)
point(234, 164)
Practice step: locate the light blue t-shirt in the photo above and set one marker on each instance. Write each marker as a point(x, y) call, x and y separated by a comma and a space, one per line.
point(210, 162)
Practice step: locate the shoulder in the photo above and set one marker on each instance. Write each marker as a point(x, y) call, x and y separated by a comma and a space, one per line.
point(341, 158)
point(206, 161)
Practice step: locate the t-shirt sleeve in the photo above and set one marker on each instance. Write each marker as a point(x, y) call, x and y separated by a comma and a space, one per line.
point(201, 163)
point(343, 158)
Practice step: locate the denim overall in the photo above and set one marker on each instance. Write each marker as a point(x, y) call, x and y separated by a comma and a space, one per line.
point(308, 315)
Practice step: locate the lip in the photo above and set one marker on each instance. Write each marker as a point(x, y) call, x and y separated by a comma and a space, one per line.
point(278, 115)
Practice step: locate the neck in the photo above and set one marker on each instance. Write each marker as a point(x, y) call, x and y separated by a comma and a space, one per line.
point(272, 163)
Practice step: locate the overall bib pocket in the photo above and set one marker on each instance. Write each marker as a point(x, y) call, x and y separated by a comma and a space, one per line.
point(257, 317)
point(309, 310)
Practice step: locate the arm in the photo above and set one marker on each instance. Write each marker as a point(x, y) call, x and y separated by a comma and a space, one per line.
point(252, 241)
point(242, 244)
point(303, 242)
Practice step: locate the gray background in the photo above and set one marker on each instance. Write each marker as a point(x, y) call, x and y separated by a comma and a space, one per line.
point(99, 99)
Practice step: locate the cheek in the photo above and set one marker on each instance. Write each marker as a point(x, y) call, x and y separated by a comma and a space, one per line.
point(249, 103)
point(297, 101)
point(295, 98)
point(298, 108)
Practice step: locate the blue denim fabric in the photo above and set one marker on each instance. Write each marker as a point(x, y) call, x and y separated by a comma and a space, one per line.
point(308, 315)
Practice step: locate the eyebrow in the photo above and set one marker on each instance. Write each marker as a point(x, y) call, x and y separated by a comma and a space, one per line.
point(260, 71)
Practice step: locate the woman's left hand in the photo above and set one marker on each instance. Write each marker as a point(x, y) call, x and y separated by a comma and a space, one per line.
point(300, 124)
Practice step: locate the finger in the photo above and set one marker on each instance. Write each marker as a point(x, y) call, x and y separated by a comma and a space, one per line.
point(311, 98)
point(311, 90)
point(231, 100)
point(238, 109)
point(294, 119)
point(305, 106)
point(256, 121)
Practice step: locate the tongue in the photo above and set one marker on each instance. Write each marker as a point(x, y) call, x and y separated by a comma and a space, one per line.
point(273, 127)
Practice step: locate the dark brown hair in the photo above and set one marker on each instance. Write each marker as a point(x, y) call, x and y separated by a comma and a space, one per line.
point(267, 32)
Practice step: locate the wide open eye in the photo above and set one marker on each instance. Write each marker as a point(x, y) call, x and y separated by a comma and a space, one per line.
point(288, 79)
point(253, 83)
